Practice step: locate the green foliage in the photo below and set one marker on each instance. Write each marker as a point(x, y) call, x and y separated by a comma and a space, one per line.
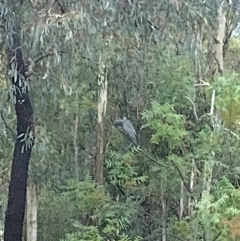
point(148, 82)
point(221, 205)
point(85, 195)
point(118, 217)
point(165, 123)
point(122, 170)
point(225, 199)
point(211, 212)
point(89, 233)
point(79, 204)
point(172, 78)
point(54, 216)
point(228, 98)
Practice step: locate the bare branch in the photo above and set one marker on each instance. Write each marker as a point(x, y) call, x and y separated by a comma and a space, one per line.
point(212, 102)
point(182, 178)
point(5, 123)
point(234, 134)
point(203, 83)
point(152, 159)
point(194, 108)
point(217, 236)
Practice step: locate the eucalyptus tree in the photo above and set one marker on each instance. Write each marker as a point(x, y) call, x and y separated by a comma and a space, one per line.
point(25, 131)
point(87, 29)
point(42, 29)
point(107, 49)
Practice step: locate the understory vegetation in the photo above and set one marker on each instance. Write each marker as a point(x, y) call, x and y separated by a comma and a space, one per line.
point(172, 68)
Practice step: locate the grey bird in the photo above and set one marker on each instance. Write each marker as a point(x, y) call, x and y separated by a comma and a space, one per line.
point(128, 129)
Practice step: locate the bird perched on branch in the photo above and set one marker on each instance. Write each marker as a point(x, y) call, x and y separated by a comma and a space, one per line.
point(128, 129)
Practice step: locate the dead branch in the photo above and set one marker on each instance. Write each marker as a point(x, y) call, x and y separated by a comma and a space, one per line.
point(194, 107)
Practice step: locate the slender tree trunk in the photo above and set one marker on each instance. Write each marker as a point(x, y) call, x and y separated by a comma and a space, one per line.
point(215, 67)
point(207, 178)
point(218, 46)
point(219, 39)
point(23, 147)
point(75, 141)
point(32, 207)
point(181, 202)
point(198, 50)
point(164, 219)
point(102, 107)
point(192, 177)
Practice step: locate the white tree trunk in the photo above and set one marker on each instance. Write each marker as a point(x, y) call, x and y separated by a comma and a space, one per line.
point(192, 176)
point(219, 39)
point(32, 206)
point(102, 108)
point(181, 202)
point(164, 222)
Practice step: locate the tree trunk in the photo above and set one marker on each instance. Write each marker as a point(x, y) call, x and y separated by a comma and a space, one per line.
point(217, 50)
point(219, 39)
point(75, 141)
point(32, 206)
point(215, 67)
point(192, 177)
point(164, 218)
point(181, 202)
point(102, 106)
point(23, 146)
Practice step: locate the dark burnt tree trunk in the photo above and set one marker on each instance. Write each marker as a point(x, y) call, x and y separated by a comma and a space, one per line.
point(22, 151)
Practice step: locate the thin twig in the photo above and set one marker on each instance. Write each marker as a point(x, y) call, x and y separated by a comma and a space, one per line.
point(217, 236)
point(203, 83)
point(41, 57)
point(48, 54)
point(211, 108)
point(152, 159)
point(234, 134)
point(182, 178)
point(63, 11)
point(5, 123)
point(194, 107)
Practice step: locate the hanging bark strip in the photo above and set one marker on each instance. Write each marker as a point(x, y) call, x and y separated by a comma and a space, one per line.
point(23, 145)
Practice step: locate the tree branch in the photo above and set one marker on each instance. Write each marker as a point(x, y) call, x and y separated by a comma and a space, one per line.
point(31, 63)
point(152, 159)
point(182, 178)
point(5, 123)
